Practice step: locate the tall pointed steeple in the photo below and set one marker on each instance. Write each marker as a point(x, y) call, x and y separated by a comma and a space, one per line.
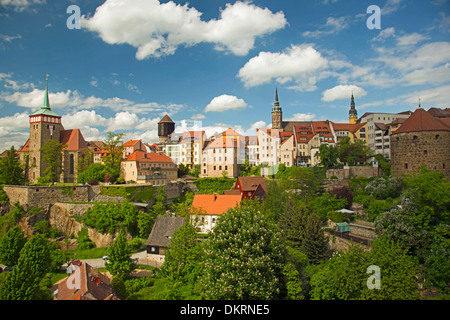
point(46, 104)
point(276, 104)
point(353, 114)
point(45, 109)
point(277, 114)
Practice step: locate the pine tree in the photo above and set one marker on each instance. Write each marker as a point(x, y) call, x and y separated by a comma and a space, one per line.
point(315, 245)
point(10, 246)
point(119, 257)
point(11, 171)
point(24, 282)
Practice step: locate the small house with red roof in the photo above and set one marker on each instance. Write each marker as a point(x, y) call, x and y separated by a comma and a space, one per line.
point(207, 208)
point(84, 283)
point(251, 188)
point(149, 168)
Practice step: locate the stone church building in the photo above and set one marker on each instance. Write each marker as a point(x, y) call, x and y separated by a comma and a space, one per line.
point(46, 125)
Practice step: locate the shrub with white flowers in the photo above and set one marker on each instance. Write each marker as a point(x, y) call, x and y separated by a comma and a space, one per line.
point(245, 257)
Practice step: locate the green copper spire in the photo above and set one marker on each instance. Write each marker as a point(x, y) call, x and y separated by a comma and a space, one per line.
point(46, 104)
point(45, 109)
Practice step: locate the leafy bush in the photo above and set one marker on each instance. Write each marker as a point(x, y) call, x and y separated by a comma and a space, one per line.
point(95, 171)
point(135, 284)
point(107, 218)
point(3, 196)
point(214, 185)
point(337, 216)
point(384, 187)
point(83, 240)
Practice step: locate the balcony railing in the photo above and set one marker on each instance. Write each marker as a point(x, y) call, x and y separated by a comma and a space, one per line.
point(152, 177)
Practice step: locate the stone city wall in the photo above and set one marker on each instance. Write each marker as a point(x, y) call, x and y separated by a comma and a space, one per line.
point(42, 196)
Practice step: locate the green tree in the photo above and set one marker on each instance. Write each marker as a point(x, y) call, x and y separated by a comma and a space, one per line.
point(11, 171)
point(95, 171)
point(292, 222)
point(328, 155)
point(293, 282)
point(315, 245)
point(345, 277)
point(159, 208)
point(118, 284)
point(428, 193)
point(183, 254)
point(182, 170)
point(244, 257)
point(23, 283)
point(52, 157)
point(353, 153)
point(119, 257)
point(10, 246)
point(83, 240)
point(275, 202)
point(145, 223)
point(114, 146)
point(398, 272)
point(85, 160)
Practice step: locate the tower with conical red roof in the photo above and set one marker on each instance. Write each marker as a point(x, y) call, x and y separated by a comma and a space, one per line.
point(165, 128)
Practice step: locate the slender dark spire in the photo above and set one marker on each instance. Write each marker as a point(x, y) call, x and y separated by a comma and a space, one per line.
point(276, 104)
point(352, 106)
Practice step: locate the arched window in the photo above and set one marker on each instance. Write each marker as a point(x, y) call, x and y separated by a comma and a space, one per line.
point(71, 164)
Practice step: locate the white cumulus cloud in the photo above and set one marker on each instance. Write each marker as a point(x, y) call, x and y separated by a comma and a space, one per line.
point(341, 92)
point(157, 29)
point(297, 63)
point(225, 102)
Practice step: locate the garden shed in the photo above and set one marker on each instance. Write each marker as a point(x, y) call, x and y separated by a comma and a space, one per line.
point(342, 227)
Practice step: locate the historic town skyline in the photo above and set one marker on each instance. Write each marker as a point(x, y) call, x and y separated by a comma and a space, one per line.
point(216, 62)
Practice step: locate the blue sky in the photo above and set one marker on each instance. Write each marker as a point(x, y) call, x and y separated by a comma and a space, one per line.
point(215, 64)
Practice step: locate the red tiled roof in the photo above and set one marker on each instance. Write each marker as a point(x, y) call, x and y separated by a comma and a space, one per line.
point(251, 183)
point(166, 118)
point(225, 142)
point(25, 147)
point(347, 126)
point(230, 132)
point(421, 120)
point(215, 203)
point(130, 143)
point(73, 139)
point(197, 135)
point(93, 285)
point(142, 156)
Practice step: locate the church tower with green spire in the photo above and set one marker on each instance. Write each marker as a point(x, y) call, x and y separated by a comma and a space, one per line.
point(277, 113)
point(45, 125)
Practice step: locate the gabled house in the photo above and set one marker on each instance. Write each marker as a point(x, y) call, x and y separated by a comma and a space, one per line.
point(84, 283)
point(151, 168)
point(251, 188)
point(223, 155)
point(206, 208)
point(131, 146)
point(160, 236)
